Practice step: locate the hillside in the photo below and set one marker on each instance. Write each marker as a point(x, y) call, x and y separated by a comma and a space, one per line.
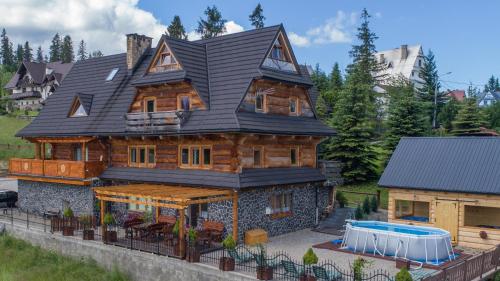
point(8, 128)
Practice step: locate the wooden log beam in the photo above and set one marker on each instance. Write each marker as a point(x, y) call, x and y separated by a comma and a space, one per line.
point(235, 216)
point(181, 232)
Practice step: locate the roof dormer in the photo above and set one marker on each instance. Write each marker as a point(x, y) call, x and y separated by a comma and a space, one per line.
point(164, 60)
point(81, 106)
point(280, 56)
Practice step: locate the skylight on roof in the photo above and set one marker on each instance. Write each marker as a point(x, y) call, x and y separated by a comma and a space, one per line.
point(112, 74)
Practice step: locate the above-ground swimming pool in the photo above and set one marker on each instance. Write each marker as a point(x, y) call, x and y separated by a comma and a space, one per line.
point(417, 243)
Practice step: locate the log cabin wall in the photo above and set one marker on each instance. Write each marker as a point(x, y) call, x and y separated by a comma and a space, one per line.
point(97, 151)
point(278, 101)
point(468, 203)
point(166, 97)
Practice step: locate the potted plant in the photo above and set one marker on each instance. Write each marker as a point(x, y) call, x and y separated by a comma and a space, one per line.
point(177, 241)
point(264, 271)
point(68, 229)
point(193, 252)
point(109, 235)
point(403, 275)
point(88, 232)
point(227, 263)
point(309, 259)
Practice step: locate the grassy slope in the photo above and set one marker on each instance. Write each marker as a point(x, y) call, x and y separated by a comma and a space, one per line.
point(371, 187)
point(8, 128)
point(19, 261)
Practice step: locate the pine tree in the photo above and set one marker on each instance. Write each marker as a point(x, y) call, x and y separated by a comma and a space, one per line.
point(176, 29)
point(7, 52)
point(19, 54)
point(96, 54)
point(448, 113)
point(492, 113)
point(55, 48)
point(468, 119)
point(82, 52)
point(28, 52)
point(431, 86)
point(319, 78)
point(321, 108)
point(67, 51)
point(472, 91)
point(492, 85)
point(214, 24)
point(407, 116)
point(39, 54)
point(335, 86)
point(257, 18)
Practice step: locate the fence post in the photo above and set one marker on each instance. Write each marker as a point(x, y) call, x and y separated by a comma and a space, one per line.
point(482, 265)
point(465, 270)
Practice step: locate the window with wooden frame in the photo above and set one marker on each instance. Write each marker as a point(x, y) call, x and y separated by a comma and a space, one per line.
point(195, 156)
point(183, 102)
point(260, 102)
point(149, 104)
point(294, 156)
point(142, 156)
point(280, 56)
point(293, 106)
point(164, 60)
point(258, 157)
point(281, 204)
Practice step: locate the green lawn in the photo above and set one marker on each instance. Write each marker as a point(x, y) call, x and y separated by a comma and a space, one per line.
point(369, 187)
point(20, 261)
point(8, 128)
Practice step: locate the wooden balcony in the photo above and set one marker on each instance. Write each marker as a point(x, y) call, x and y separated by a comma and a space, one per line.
point(156, 121)
point(58, 171)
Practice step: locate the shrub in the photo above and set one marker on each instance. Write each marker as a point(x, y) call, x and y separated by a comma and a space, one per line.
point(403, 275)
point(229, 242)
point(108, 219)
point(358, 214)
point(341, 199)
point(192, 236)
point(366, 206)
point(310, 257)
point(68, 213)
point(86, 220)
point(147, 216)
point(357, 268)
point(175, 230)
point(374, 204)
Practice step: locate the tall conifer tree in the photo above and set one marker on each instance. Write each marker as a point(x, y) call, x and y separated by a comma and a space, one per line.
point(176, 29)
point(19, 54)
point(6, 50)
point(257, 17)
point(39, 54)
point(82, 51)
point(213, 25)
point(67, 51)
point(28, 52)
point(55, 48)
point(431, 86)
point(468, 120)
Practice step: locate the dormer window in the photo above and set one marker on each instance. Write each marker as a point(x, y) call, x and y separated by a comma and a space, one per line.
point(277, 51)
point(279, 56)
point(79, 112)
point(81, 105)
point(164, 60)
point(112, 74)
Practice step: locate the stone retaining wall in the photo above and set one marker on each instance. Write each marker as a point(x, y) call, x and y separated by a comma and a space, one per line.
point(138, 265)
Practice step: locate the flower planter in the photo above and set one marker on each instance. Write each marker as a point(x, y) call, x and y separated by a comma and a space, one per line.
point(264, 273)
point(88, 234)
point(110, 236)
point(307, 278)
point(68, 231)
point(402, 263)
point(226, 264)
point(193, 254)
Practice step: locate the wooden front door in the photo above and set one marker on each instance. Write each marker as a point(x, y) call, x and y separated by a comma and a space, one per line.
point(446, 215)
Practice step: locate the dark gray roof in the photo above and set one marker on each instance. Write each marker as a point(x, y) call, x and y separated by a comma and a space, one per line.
point(455, 164)
point(247, 178)
point(38, 73)
point(221, 69)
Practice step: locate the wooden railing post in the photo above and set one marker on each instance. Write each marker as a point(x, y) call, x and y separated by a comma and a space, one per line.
point(464, 271)
point(482, 265)
point(181, 232)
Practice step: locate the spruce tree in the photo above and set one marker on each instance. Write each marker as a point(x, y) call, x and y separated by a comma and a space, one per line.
point(319, 78)
point(492, 113)
point(431, 84)
point(28, 52)
point(7, 52)
point(335, 86)
point(39, 54)
point(407, 116)
point(492, 84)
point(257, 17)
point(82, 51)
point(468, 119)
point(213, 25)
point(96, 54)
point(176, 29)
point(321, 108)
point(19, 54)
point(448, 113)
point(67, 51)
point(55, 48)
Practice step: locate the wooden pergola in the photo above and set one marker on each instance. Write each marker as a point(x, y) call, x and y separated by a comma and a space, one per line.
point(174, 197)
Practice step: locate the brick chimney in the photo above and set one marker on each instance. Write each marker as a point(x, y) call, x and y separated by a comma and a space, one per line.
point(404, 52)
point(136, 46)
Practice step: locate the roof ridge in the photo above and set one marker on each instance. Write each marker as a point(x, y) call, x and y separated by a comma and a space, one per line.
point(224, 36)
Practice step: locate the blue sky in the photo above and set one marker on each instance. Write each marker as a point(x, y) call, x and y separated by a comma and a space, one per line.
point(463, 34)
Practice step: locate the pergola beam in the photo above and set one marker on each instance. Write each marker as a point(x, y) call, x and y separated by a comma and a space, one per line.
point(130, 201)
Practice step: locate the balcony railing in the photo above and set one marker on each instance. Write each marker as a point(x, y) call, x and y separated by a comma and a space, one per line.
point(156, 121)
point(55, 169)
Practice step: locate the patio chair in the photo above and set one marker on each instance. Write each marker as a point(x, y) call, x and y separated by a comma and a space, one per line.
point(323, 274)
point(240, 257)
point(215, 228)
point(292, 269)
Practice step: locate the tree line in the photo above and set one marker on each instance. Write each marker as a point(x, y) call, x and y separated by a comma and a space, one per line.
point(369, 124)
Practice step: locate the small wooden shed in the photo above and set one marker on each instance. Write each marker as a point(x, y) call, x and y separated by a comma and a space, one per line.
point(448, 182)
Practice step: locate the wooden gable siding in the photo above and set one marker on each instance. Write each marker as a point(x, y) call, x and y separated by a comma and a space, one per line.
point(468, 236)
point(278, 101)
point(166, 97)
point(64, 151)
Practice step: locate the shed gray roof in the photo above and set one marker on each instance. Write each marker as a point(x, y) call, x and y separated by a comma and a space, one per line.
point(246, 179)
point(454, 164)
point(221, 69)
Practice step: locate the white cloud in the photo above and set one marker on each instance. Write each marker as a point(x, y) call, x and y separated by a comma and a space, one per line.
point(334, 30)
point(102, 24)
point(297, 40)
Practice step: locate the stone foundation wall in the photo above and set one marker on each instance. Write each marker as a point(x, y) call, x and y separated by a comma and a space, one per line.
point(39, 197)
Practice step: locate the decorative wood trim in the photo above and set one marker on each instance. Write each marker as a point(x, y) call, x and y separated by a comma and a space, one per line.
point(52, 180)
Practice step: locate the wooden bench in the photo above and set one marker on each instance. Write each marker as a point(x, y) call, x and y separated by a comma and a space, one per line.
point(215, 228)
point(255, 236)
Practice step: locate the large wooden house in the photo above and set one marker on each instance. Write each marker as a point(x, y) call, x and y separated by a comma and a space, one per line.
point(221, 129)
point(452, 183)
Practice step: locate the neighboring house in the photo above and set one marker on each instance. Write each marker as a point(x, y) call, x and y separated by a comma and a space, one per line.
point(405, 61)
point(487, 98)
point(458, 95)
point(448, 182)
point(34, 82)
point(224, 128)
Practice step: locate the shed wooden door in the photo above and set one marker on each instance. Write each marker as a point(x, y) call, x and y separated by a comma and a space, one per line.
point(446, 215)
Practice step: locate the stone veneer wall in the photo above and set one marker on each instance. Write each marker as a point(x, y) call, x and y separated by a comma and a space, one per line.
point(39, 197)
